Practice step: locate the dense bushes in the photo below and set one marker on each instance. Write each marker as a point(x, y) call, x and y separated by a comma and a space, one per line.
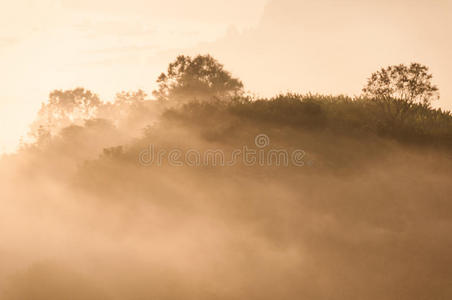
point(340, 114)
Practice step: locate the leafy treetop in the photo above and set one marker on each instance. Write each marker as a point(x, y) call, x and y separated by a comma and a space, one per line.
point(201, 78)
point(410, 84)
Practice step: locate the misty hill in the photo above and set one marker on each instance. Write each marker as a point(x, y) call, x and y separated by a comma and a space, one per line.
point(204, 192)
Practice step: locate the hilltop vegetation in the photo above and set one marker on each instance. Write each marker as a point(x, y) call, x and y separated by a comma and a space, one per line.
point(396, 104)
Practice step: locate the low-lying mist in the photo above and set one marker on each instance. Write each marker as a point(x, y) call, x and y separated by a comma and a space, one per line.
point(366, 215)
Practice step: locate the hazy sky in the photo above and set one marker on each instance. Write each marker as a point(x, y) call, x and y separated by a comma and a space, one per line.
point(272, 45)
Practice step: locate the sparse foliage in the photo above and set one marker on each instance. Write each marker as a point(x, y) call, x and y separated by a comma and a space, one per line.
point(124, 104)
point(397, 88)
point(412, 84)
point(65, 108)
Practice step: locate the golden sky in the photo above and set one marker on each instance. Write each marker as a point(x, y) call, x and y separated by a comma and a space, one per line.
point(272, 45)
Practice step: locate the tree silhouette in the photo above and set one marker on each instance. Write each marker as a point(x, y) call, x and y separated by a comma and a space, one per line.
point(124, 104)
point(129, 109)
point(397, 88)
point(65, 108)
point(201, 78)
point(406, 83)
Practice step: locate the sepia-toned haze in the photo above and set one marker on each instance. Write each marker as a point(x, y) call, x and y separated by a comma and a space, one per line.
point(368, 217)
point(273, 46)
point(101, 200)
